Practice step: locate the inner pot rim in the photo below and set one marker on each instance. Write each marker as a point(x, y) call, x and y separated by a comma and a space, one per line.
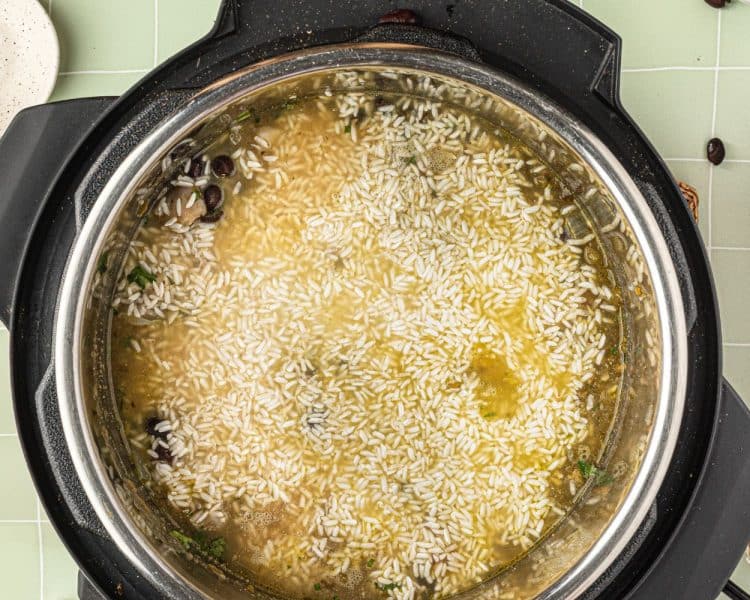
point(81, 267)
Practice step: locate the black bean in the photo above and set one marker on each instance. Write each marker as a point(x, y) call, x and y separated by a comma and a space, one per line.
point(213, 196)
point(223, 166)
point(715, 151)
point(212, 217)
point(164, 454)
point(196, 168)
point(401, 16)
point(449, 8)
point(151, 424)
point(718, 3)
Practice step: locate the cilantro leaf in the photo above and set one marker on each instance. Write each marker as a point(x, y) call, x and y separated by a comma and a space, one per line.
point(217, 547)
point(141, 276)
point(201, 544)
point(185, 540)
point(591, 471)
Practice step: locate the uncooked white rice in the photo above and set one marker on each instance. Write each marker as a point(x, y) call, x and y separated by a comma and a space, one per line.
point(313, 356)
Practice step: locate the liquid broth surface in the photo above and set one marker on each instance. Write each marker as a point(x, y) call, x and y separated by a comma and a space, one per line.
point(384, 369)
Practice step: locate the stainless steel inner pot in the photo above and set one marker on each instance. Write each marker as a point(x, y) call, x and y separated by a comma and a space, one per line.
point(571, 556)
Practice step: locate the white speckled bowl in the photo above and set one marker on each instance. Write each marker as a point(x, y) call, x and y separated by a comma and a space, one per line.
point(29, 57)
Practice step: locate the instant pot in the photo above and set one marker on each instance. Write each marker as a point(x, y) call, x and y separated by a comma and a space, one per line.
point(78, 176)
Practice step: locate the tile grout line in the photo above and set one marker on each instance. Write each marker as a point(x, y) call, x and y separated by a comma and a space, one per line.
point(736, 344)
point(683, 68)
point(732, 248)
point(2, 435)
point(49, 8)
point(17, 521)
point(41, 548)
point(712, 168)
point(726, 160)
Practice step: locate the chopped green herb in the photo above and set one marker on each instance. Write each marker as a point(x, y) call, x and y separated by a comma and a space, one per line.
point(185, 540)
point(127, 341)
point(289, 103)
point(489, 415)
point(101, 266)
point(250, 112)
point(317, 587)
point(217, 548)
point(347, 129)
point(614, 350)
point(214, 548)
point(141, 276)
point(412, 160)
point(201, 539)
point(370, 563)
point(387, 587)
point(591, 471)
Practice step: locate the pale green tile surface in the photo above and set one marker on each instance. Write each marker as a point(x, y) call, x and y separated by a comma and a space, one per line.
point(732, 273)
point(118, 34)
point(735, 31)
point(741, 574)
point(731, 204)
point(736, 363)
point(673, 108)
point(18, 499)
point(176, 31)
point(661, 37)
point(19, 561)
point(7, 422)
point(59, 568)
point(733, 115)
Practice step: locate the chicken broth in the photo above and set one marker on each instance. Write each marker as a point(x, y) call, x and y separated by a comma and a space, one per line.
point(360, 353)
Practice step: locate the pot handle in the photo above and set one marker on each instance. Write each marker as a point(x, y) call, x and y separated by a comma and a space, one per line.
point(716, 527)
point(35, 147)
point(552, 43)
